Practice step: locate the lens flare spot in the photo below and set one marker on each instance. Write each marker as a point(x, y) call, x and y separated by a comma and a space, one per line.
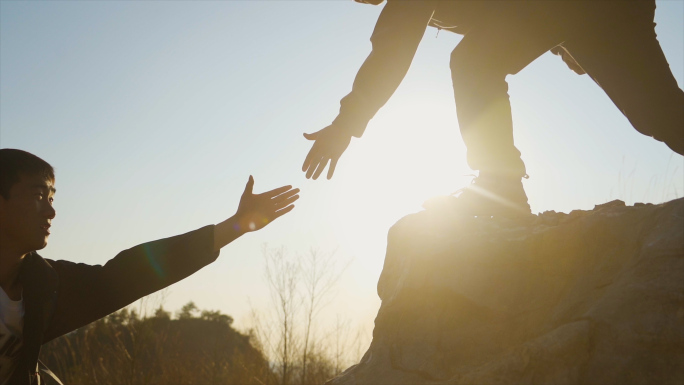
point(252, 226)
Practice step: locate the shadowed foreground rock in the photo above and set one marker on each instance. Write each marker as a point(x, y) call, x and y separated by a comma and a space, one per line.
point(590, 297)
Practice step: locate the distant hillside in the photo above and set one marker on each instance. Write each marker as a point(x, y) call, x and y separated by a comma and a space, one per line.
point(125, 349)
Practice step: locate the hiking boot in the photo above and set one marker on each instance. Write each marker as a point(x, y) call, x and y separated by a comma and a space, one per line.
point(488, 195)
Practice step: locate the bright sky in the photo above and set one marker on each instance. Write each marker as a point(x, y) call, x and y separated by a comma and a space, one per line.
point(155, 113)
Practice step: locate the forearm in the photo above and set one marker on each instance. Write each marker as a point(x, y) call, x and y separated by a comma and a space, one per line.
point(372, 89)
point(228, 231)
point(395, 40)
point(87, 293)
point(377, 80)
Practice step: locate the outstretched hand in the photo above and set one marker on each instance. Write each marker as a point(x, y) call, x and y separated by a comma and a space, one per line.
point(257, 210)
point(329, 145)
point(254, 212)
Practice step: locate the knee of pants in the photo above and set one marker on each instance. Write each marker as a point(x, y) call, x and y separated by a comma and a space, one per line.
point(461, 65)
point(659, 114)
point(469, 70)
point(675, 141)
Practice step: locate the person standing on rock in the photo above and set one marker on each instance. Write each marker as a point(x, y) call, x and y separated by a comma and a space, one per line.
point(614, 42)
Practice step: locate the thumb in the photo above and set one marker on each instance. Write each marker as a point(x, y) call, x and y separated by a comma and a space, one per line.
point(311, 136)
point(249, 186)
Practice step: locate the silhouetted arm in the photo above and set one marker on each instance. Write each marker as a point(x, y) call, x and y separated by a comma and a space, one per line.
point(396, 37)
point(87, 293)
point(399, 30)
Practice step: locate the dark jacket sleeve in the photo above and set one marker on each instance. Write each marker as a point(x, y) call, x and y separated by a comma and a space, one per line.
point(86, 293)
point(396, 37)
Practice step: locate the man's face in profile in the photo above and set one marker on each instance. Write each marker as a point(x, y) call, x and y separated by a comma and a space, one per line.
point(25, 217)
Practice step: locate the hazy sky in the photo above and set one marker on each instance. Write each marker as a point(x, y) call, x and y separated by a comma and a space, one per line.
point(155, 113)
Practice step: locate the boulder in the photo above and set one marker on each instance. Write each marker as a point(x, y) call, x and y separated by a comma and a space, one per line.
point(590, 297)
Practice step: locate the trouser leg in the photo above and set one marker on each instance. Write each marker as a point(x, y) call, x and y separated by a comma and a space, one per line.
point(625, 59)
point(485, 120)
point(502, 45)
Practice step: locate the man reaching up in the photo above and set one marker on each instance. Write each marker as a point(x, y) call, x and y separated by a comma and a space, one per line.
point(42, 299)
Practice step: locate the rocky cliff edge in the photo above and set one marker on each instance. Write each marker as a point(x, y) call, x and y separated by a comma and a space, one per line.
point(590, 297)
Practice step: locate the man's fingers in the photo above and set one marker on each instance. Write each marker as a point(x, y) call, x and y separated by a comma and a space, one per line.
point(331, 170)
point(321, 167)
point(276, 191)
point(311, 136)
point(282, 212)
point(312, 167)
point(291, 199)
point(313, 154)
point(285, 195)
point(250, 186)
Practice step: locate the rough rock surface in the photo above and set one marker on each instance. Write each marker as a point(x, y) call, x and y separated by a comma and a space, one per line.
point(590, 297)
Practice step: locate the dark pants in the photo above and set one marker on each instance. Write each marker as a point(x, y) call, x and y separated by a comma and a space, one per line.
point(613, 41)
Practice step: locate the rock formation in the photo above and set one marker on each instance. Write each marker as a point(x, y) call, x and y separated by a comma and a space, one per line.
point(590, 297)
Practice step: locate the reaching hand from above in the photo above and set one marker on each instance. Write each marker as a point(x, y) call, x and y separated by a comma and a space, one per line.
point(255, 212)
point(329, 145)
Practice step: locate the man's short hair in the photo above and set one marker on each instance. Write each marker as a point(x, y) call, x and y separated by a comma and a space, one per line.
point(17, 163)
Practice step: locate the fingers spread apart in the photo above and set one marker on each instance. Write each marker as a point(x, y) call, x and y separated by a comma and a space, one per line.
point(321, 166)
point(275, 192)
point(282, 212)
point(285, 199)
point(279, 203)
point(310, 158)
point(331, 169)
